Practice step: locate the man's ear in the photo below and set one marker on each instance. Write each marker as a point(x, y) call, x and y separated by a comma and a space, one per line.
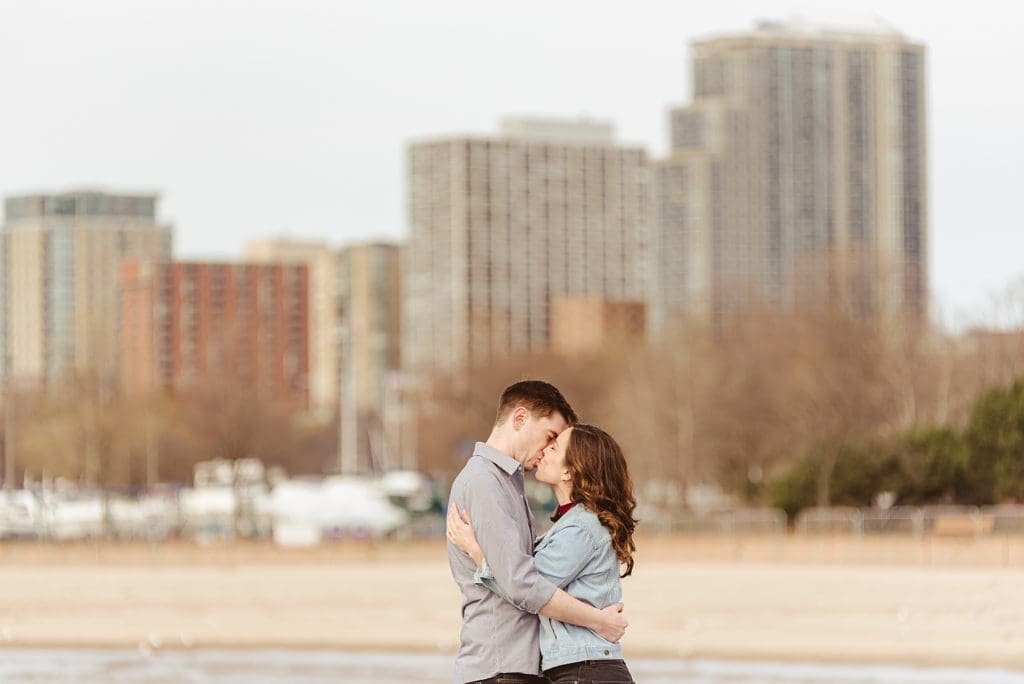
point(519, 416)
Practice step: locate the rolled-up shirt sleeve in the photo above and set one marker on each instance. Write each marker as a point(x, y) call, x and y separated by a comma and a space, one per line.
point(483, 576)
point(498, 532)
point(483, 573)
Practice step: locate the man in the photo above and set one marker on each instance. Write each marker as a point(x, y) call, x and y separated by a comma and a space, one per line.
point(500, 640)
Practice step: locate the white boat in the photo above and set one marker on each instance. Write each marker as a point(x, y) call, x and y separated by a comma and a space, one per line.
point(358, 507)
point(209, 511)
point(408, 488)
point(307, 511)
point(80, 517)
point(20, 514)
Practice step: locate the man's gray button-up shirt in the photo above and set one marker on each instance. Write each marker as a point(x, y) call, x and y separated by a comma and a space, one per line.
point(497, 636)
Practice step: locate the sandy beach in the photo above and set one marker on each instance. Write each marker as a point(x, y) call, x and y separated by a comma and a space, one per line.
point(871, 600)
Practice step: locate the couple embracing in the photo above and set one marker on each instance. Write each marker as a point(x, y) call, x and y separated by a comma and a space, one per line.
point(569, 576)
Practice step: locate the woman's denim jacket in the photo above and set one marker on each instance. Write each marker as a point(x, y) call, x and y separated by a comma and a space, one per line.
point(577, 555)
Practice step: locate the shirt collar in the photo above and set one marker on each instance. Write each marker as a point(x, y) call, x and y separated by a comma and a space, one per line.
point(499, 458)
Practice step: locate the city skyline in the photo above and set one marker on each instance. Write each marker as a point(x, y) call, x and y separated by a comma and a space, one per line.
point(215, 129)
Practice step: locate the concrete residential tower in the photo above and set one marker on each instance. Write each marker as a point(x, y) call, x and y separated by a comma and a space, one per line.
point(60, 265)
point(369, 304)
point(500, 226)
point(797, 177)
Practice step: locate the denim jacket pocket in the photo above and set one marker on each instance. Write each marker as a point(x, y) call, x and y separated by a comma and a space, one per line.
point(548, 626)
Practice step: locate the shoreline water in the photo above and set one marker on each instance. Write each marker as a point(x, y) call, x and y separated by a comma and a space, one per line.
point(312, 667)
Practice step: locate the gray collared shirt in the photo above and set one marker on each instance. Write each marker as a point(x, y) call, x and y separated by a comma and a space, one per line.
point(497, 636)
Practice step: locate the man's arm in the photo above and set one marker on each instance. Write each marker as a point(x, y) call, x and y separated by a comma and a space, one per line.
point(497, 522)
point(610, 624)
point(514, 572)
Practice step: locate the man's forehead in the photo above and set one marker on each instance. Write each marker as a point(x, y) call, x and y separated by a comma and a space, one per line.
point(556, 421)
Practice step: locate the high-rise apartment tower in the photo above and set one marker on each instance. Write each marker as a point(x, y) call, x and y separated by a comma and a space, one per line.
point(60, 267)
point(797, 177)
point(500, 226)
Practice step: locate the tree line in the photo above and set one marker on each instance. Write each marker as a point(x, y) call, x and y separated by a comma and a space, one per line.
point(84, 432)
point(786, 409)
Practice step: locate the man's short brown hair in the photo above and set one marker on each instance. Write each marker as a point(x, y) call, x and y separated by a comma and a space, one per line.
point(538, 397)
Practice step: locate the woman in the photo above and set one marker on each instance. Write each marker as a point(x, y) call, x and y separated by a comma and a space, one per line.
point(590, 542)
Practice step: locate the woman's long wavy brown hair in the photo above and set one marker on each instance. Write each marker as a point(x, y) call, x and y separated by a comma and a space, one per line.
point(600, 481)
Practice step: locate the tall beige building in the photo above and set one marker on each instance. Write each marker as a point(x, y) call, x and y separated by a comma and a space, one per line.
point(60, 270)
point(797, 177)
point(370, 297)
point(499, 226)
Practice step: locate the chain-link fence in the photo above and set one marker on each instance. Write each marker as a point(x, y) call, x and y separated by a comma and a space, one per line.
point(952, 521)
point(739, 521)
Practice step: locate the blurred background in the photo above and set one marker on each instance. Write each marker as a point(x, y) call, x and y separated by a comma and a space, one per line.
point(266, 267)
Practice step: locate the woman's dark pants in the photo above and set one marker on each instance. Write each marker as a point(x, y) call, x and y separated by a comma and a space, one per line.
point(589, 672)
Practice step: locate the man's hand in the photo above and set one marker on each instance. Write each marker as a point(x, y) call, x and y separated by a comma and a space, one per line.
point(612, 623)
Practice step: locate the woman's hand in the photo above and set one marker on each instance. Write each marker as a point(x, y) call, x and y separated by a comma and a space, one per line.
point(460, 533)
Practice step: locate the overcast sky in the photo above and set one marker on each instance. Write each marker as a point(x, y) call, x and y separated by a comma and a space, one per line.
point(256, 118)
